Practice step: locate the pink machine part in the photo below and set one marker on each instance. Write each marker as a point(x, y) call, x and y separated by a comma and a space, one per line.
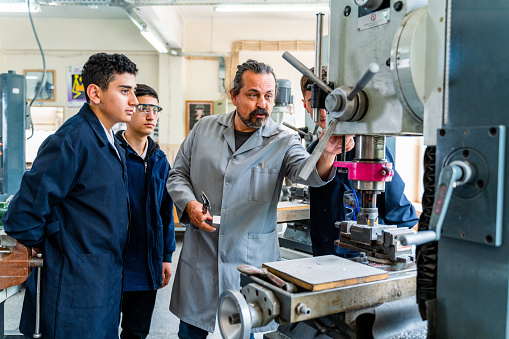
point(367, 171)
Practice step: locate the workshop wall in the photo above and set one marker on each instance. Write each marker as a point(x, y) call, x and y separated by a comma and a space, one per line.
point(69, 42)
point(219, 38)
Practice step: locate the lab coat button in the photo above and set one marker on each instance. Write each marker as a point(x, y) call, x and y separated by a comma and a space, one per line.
point(223, 210)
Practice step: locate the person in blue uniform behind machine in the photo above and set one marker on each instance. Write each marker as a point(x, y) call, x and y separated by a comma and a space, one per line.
point(73, 204)
point(327, 202)
point(152, 233)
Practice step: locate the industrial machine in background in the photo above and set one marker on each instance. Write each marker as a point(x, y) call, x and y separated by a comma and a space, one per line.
point(293, 217)
point(283, 113)
point(16, 260)
point(402, 68)
point(12, 137)
point(283, 105)
point(293, 221)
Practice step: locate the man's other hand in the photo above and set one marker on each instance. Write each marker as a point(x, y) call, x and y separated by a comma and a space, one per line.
point(195, 211)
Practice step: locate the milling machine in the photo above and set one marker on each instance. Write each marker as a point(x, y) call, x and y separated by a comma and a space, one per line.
point(443, 74)
point(375, 89)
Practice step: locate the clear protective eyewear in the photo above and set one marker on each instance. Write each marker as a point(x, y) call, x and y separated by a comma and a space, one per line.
point(147, 108)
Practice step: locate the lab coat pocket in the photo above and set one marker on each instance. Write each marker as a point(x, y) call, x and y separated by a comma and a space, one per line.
point(96, 281)
point(262, 247)
point(262, 184)
point(190, 252)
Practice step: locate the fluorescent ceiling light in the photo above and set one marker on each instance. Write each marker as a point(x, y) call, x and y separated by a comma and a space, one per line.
point(154, 41)
point(273, 8)
point(18, 7)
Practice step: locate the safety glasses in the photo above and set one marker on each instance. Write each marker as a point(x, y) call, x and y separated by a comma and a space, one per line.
point(147, 108)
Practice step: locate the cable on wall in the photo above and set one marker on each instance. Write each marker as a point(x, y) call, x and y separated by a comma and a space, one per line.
point(28, 114)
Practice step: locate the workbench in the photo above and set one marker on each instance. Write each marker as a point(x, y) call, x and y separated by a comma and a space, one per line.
point(286, 211)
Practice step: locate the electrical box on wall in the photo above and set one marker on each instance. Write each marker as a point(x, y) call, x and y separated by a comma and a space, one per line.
point(223, 106)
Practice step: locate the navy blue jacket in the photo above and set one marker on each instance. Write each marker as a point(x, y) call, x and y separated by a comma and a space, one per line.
point(327, 207)
point(74, 205)
point(152, 234)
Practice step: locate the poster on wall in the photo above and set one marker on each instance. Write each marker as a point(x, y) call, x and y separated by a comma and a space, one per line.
point(75, 88)
point(195, 110)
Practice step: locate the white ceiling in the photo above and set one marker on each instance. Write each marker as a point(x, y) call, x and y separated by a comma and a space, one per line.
point(206, 13)
point(188, 13)
point(74, 12)
point(78, 9)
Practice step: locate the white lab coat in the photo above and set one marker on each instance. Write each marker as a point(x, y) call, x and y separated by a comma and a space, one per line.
point(243, 187)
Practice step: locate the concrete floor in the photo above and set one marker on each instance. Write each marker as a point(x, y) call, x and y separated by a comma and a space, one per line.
point(164, 323)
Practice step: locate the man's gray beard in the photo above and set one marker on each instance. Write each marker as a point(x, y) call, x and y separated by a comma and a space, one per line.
point(258, 123)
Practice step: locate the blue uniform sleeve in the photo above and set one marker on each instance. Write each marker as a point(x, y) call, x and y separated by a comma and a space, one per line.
point(398, 210)
point(44, 187)
point(168, 226)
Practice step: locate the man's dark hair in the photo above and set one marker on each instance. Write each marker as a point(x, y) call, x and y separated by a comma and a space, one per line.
point(255, 67)
point(304, 81)
point(101, 69)
point(142, 90)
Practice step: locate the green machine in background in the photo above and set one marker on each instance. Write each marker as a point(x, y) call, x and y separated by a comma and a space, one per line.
point(3, 210)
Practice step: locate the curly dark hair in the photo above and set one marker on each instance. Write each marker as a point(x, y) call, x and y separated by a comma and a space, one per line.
point(304, 81)
point(142, 90)
point(101, 68)
point(253, 66)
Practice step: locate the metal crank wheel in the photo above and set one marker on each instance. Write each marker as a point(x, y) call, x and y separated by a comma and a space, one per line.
point(234, 316)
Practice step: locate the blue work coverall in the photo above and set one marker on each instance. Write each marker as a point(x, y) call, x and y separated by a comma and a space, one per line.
point(73, 204)
point(152, 235)
point(327, 207)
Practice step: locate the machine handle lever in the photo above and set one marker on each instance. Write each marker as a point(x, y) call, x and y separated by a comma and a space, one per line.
point(363, 81)
point(418, 238)
point(307, 136)
point(317, 152)
point(299, 66)
point(302, 133)
point(456, 173)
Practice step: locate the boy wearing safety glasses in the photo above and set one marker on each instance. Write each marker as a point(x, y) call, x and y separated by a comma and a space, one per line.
point(152, 237)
